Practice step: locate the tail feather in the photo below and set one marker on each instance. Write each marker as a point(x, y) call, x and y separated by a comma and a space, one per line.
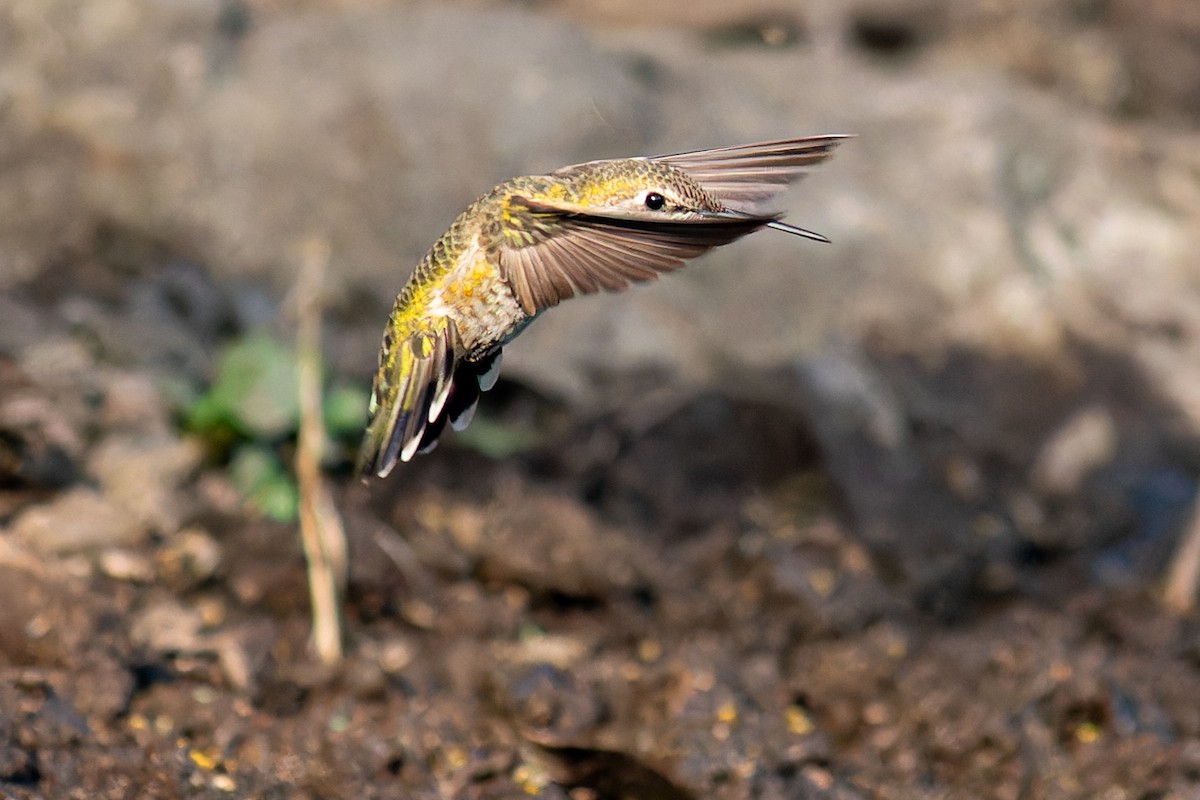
point(411, 387)
point(421, 386)
point(470, 378)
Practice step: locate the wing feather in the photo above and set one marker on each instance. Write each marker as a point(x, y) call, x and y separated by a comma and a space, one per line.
point(745, 176)
point(580, 253)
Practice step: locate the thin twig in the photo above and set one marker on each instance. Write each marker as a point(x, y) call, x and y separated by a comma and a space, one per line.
point(321, 528)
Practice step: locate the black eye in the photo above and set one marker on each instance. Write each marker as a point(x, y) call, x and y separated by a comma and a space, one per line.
point(655, 201)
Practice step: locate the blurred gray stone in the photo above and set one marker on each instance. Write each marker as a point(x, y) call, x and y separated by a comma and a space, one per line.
point(168, 626)
point(972, 210)
point(141, 475)
point(78, 519)
point(126, 565)
point(189, 558)
point(371, 126)
point(1087, 441)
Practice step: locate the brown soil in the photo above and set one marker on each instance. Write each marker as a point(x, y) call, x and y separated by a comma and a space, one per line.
point(670, 603)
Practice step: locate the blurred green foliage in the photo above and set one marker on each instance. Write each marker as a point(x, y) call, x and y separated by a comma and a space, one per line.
point(250, 416)
point(254, 395)
point(251, 413)
point(261, 477)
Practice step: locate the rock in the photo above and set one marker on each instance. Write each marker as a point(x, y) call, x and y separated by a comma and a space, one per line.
point(1161, 44)
point(166, 626)
point(971, 210)
point(38, 439)
point(133, 401)
point(126, 565)
point(1086, 441)
point(183, 142)
point(78, 519)
point(141, 474)
point(189, 558)
point(242, 651)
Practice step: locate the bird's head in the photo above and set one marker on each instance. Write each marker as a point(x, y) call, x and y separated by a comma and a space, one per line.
point(644, 190)
point(639, 189)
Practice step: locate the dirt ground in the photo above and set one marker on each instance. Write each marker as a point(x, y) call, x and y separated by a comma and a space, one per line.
point(639, 606)
point(680, 592)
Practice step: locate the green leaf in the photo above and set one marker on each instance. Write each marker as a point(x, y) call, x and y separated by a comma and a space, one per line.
point(261, 478)
point(345, 411)
point(254, 392)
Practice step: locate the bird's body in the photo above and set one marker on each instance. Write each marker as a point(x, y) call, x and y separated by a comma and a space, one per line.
point(535, 241)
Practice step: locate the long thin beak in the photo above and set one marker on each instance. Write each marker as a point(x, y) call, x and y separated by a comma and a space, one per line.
point(792, 229)
point(769, 222)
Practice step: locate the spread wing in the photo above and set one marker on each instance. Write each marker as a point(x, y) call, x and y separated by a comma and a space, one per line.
point(746, 175)
point(567, 252)
point(562, 250)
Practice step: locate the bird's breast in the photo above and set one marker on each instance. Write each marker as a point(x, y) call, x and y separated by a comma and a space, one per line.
point(480, 302)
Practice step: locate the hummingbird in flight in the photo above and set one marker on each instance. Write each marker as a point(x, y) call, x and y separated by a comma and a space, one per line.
point(534, 241)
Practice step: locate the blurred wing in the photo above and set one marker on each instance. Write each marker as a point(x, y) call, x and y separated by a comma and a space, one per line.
point(564, 252)
point(412, 386)
point(746, 175)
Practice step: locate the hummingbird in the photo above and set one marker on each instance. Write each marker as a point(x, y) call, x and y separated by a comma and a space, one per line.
point(531, 243)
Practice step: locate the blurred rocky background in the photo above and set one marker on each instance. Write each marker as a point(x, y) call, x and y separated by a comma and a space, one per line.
point(882, 518)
